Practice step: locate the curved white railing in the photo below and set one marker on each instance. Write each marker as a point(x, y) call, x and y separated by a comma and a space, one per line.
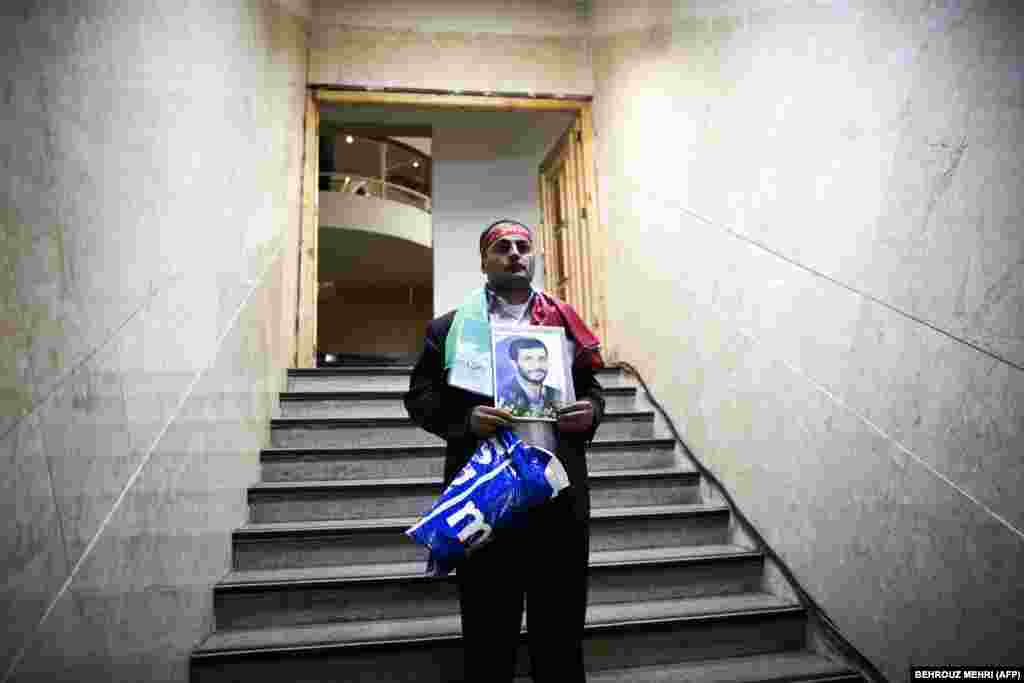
point(349, 183)
point(369, 213)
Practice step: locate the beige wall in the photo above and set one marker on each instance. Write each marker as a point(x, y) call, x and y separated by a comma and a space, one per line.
point(150, 194)
point(519, 17)
point(819, 206)
point(522, 46)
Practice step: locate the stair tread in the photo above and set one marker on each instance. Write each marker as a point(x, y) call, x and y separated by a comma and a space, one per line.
point(437, 481)
point(327, 525)
point(351, 370)
point(290, 421)
point(675, 470)
point(396, 369)
point(448, 626)
point(604, 444)
point(405, 522)
point(798, 665)
point(395, 570)
point(328, 484)
point(342, 394)
point(651, 555)
point(647, 510)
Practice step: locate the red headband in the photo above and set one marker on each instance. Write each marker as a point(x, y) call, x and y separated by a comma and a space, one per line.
point(502, 230)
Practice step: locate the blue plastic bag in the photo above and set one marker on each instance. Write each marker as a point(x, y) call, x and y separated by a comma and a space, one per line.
point(504, 478)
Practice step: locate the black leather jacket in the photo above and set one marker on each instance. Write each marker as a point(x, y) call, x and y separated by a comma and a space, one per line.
point(444, 410)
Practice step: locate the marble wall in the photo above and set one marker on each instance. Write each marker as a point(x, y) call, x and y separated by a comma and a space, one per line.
point(494, 45)
point(820, 205)
point(151, 191)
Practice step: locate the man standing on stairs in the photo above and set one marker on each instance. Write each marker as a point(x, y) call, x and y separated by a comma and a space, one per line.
point(547, 561)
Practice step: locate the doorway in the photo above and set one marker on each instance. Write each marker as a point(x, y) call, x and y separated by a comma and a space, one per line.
point(566, 173)
point(374, 255)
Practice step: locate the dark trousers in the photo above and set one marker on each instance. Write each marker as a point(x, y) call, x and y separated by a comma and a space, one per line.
point(547, 563)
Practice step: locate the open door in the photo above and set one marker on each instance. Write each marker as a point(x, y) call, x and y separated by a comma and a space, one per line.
point(572, 241)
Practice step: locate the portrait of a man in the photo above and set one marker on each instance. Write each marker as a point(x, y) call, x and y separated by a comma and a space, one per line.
point(523, 390)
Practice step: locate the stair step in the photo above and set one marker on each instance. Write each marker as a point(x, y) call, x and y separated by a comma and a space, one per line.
point(320, 464)
point(389, 403)
point(365, 541)
point(639, 556)
point(395, 497)
point(633, 634)
point(323, 432)
point(401, 590)
point(795, 666)
point(393, 377)
point(368, 378)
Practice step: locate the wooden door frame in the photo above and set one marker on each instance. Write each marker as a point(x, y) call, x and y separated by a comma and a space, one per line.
point(569, 167)
point(306, 313)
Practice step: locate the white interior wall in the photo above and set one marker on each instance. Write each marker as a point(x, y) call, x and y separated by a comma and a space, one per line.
point(819, 207)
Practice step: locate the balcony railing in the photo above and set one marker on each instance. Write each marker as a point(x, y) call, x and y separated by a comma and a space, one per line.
point(374, 187)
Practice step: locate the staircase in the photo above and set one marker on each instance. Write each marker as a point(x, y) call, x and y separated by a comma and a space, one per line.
point(326, 587)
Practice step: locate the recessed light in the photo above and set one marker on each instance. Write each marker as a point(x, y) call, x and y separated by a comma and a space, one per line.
point(349, 139)
point(415, 164)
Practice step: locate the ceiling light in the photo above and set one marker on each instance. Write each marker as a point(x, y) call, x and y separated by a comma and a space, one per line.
point(415, 164)
point(349, 139)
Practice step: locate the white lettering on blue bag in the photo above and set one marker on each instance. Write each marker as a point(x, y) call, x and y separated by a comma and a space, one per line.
point(503, 479)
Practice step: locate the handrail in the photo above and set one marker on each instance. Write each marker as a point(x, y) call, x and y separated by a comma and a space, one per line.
point(351, 183)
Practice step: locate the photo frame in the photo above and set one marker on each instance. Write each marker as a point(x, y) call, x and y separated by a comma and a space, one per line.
point(532, 371)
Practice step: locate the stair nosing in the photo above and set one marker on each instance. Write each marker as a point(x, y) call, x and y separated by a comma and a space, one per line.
point(781, 608)
point(387, 394)
point(285, 422)
point(821, 669)
point(343, 395)
point(240, 584)
point(269, 487)
point(598, 444)
point(384, 524)
point(352, 370)
point(386, 369)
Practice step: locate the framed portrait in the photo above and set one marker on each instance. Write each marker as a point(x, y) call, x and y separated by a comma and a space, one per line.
point(532, 371)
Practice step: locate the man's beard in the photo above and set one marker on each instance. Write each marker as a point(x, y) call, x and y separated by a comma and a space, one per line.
point(513, 280)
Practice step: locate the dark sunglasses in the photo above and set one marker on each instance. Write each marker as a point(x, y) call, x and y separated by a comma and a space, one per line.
point(504, 246)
